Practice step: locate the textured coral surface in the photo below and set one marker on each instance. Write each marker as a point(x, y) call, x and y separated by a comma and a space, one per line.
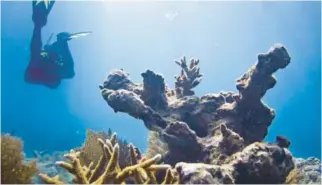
point(224, 130)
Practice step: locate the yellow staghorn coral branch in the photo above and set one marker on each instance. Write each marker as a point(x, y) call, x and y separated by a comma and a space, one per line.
point(50, 180)
point(106, 147)
point(99, 167)
point(79, 173)
point(88, 170)
point(107, 170)
point(114, 158)
point(151, 177)
point(159, 167)
point(149, 162)
point(168, 177)
point(69, 167)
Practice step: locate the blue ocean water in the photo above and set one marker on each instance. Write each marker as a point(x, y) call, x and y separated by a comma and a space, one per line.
point(226, 36)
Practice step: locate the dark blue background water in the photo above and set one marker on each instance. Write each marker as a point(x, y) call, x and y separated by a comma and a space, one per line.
point(137, 36)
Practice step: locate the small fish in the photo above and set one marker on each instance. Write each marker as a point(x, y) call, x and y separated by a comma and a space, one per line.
point(13, 132)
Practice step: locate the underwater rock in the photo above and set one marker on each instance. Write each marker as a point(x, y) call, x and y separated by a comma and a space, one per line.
point(258, 163)
point(307, 171)
point(200, 173)
point(261, 163)
point(231, 142)
point(211, 128)
point(180, 139)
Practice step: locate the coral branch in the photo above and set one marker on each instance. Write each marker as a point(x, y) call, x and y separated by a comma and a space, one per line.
point(154, 92)
point(253, 85)
point(189, 77)
point(112, 173)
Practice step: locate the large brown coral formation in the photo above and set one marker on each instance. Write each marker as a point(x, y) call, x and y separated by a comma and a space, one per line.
point(211, 128)
point(108, 171)
point(13, 169)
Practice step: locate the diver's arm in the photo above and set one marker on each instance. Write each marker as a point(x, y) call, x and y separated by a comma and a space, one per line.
point(66, 54)
point(67, 60)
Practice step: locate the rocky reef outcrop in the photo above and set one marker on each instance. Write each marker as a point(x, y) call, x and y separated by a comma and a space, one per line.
point(215, 138)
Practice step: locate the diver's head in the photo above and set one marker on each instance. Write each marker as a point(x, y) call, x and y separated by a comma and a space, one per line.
point(63, 36)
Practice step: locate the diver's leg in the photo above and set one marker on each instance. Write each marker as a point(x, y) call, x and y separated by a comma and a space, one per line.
point(34, 67)
point(36, 44)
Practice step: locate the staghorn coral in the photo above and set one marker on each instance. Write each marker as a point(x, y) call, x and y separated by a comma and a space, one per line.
point(108, 171)
point(213, 127)
point(13, 169)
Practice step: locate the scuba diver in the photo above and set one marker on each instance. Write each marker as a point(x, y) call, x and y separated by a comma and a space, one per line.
point(50, 65)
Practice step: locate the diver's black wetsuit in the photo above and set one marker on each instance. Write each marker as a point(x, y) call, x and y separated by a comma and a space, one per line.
point(47, 67)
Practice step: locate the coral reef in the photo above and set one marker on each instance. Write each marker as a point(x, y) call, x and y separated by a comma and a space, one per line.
point(46, 162)
point(307, 171)
point(13, 168)
point(223, 130)
point(90, 152)
point(108, 171)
